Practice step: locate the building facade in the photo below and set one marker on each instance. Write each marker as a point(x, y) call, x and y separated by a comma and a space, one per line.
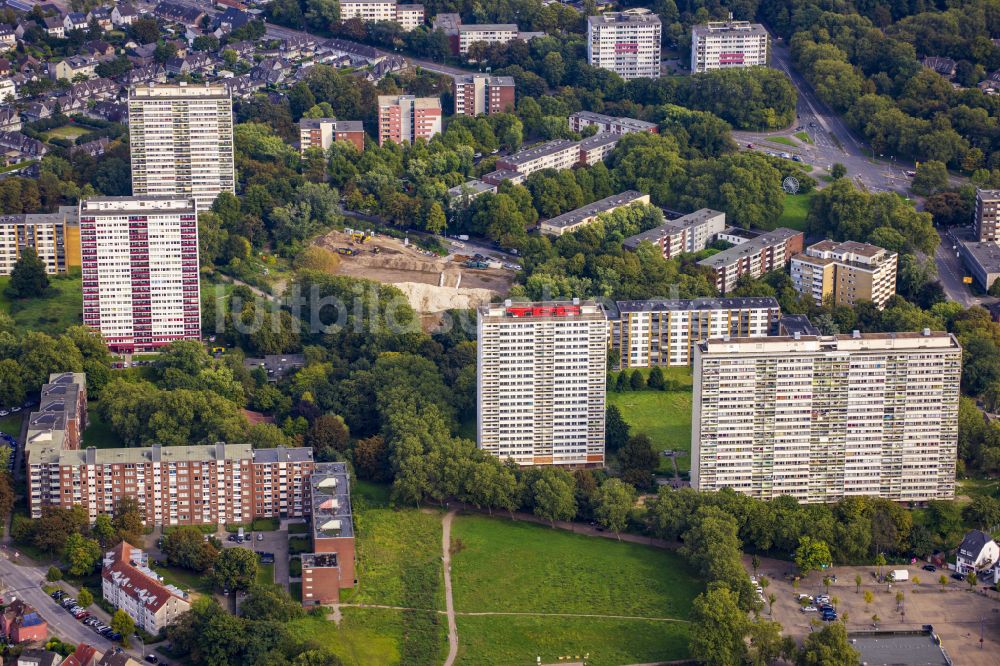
point(823, 418)
point(609, 124)
point(408, 118)
point(330, 568)
point(665, 332)
point(128, 583)
point(61, 416)
point(627, 43)
point(727, 44)
point(559, 154)
point(688, 233)
point(140, 270)
point(541, 382)
point(581, 217)
point(55, 237)
point(754, 254)
point(181, 140)
point(477, 94)
point(988, 215)
point(322, 132)
point(846, 272)
point(408, 17)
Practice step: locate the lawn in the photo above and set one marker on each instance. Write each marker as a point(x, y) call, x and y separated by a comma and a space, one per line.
point(794, 214)
point(265, 574)
point(53, 314)
point(70, 132)
point(298, 528)
point(265, 525)
point(515, 566)
point(803, 137)
point(12, 424)
point(973, 488)
point(17, 166)
point(184, 579)
point(99, 433)
point(499, 641)
point(663, 415)
point(783, 140)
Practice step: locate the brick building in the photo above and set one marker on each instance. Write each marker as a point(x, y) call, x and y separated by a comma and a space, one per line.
point(477, 94)
point(322, 132)
point(408, 118)
point(21, 623)
point(754, 253)
point(331, 567)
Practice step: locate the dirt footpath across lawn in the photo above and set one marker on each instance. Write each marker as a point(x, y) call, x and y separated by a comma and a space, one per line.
point(955, 612)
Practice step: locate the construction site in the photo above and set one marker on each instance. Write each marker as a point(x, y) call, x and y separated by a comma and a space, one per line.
point(432, 283)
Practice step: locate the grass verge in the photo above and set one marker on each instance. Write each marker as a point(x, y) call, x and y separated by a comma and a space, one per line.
point(364, 636)
point(803, 137)
point(783, 140)
point(663, 415)
point(99, 434)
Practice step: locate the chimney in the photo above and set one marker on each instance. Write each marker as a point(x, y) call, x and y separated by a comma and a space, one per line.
point(927, 332)
point(856, 334)
point(507, 303)
point(576, 301)
point(798, 335)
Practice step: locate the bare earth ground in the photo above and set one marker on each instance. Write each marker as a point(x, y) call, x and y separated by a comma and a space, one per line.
point(955, 613)
point(419, 274)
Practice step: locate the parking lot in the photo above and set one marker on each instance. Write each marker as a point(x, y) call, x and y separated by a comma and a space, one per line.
point(955, 613)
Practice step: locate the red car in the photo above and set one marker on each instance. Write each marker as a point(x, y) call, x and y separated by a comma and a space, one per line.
point(82, 615)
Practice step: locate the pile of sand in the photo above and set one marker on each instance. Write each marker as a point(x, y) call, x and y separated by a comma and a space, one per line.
point(428, 298)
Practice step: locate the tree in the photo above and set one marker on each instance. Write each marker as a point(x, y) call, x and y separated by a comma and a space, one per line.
point(932, 177)
point(186, 547)
point(943, 582)
point(122, 623)
point(614, 501)
point(971, 579)
point(145, 30)
point(857, 583)
point(718, 628)
point(84, 598)
point(128, 520)
point(371, 459)
point(812, 554)
point(637, 382)
point(81, 554)
point(270, 602)
point(28, 279)
point(553, 495)
point(755, 563)
point(829, 647)
point(235, 569)
point(615, 429)
point(656, 380)
point(316, 258)
point(104, 531)
point(436, 221)
point(328, 436)
point(869, 597)
point(55, 574)
point(838, 171)
point(637, 461)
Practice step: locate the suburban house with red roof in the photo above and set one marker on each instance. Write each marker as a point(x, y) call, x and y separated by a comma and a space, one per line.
point(84, 655)
point(128, 583)
point(19, 622)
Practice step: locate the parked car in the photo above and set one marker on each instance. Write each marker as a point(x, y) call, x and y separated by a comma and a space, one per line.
point(958, 576)
point(152, 659)
point(809, 609)
point(260, 536)
point(929, 567)
point(796, 158)
point(57, 595)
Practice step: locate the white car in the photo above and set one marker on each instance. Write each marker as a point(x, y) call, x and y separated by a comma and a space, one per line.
point(4, 412)
point(809, 609)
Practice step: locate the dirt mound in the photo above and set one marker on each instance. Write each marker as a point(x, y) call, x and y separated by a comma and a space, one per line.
point(428, 298)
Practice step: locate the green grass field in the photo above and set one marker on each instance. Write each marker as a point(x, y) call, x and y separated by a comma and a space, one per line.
point(663, 415)
point(364, 636)
point(53, 314)
point(794, 215)
point(514, 566)
point(803, 137)
point(184, 579)
point(500, 641)
point(12, 424)
point(265, 574)
point(783, 140)
point(70, 132)
point(99, 434)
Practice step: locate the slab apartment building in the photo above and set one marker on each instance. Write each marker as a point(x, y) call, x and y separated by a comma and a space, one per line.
point(688, 233)
point(330, 567)
point(541, 382)
point(55, 237)
point(988, 215)
point(820, 418)
point(754, 253)
point(140, 270)
point(323, 132)
point(477, 94)
point(181, 141)
point(665, 332)
point(408, 118)
point(409, 17)
point(845, 272)
point(627, 43)
point(728, 44)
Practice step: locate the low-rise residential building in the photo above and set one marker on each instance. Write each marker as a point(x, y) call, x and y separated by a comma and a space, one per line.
point(845, 272)
point(124, 14)
point(75, 21)
point(477, 94)
point(597, 148)
point(490, 33)
point(576, 219)
point(72, 67)
point(179, 13)
point(726, 44)
point(665, 332)
point(559, 154)
point(979, 554)
point(55, 237)
point(54, 27)
point(405, 118)
point(627, 43)
point(38, 657)
point(408, 17)
point(20, 623)
point(8, 39)
point(981, 260)
point(821, 418)
point(541, 382)
point(322, 132)
point(755, 253)
point(688, 233)
point(462, 195)
point(330, 567)
point(609, 124)
point(128, 583)
point(88, 655)
point(112, 658)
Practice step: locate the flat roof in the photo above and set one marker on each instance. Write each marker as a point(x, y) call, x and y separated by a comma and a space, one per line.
point(599, 139)
point(855, 342)
point(488, 27)
point(792, 324)
point(474, 186)
point(680, 304)
point(700, 216)
point(986, 254)
point(887, 649)
point(623, 121)
point(719, 27)
point(492, 80)
point(331, 501)
point(726, 257)
point(547, 148)
point(590, 210)
point(629, 16)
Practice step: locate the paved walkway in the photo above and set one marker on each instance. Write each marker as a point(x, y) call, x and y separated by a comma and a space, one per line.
point(448, 600)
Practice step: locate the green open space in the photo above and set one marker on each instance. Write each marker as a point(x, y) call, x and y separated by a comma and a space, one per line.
point(69, 132)
point(265, 574)
point(794, 214)
point(298, 528)
point(499, 640)
point(665, 416)
point(52, 314)
point(12, 424)
point(189, 581)
point(516, 566)
point(783, 140)
point(98, 433)
point(803, 137)
point(17, 166)
point(364, 636)
point(973, 488)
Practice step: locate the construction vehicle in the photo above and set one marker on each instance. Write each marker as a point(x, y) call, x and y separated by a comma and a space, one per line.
point(358, 237)
point(376, 250)
point(346, 251)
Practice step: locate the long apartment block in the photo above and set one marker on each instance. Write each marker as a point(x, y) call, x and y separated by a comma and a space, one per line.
point(541, 382)
point(627, 43)
point(611, 124)
point(575, 220)
point(559, 154)
point(845, 272)
point(820, 418)
point(55, 237)
point(644, 334)
point(330, 567)
point(409, 17)
point(688, 233)
point(181, 141)
point(140, 270)
point(728, 44)
point(754, 253)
